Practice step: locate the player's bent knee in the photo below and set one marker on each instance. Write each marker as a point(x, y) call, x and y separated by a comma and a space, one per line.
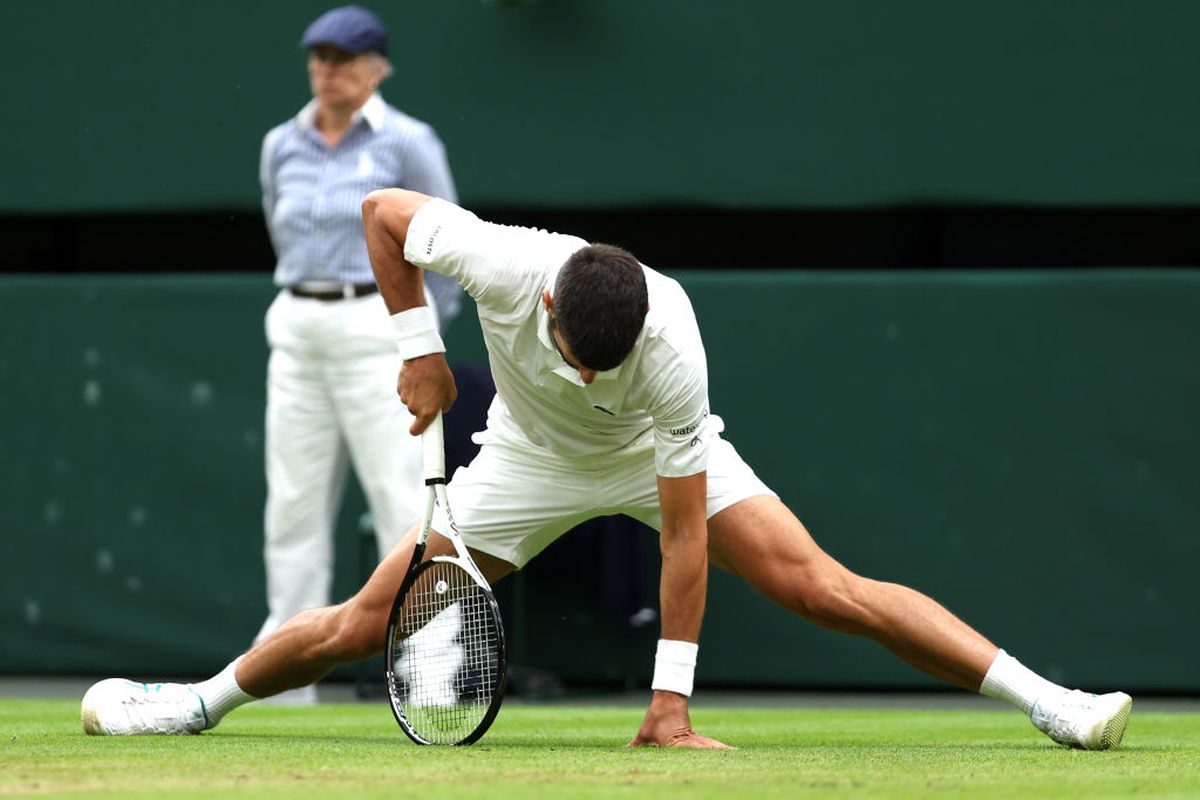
point(357, 642)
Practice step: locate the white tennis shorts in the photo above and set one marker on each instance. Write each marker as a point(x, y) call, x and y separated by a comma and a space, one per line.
point(512, 503)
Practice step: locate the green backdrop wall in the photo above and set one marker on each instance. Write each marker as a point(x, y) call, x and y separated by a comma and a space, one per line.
point(1022, 446)
point(152, 105)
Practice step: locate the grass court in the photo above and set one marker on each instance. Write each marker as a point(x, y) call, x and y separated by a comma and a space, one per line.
point(355, 750)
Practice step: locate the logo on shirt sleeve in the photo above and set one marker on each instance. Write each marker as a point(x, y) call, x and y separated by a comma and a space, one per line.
point(688, 430)
point(429, 242)
point(684, 431)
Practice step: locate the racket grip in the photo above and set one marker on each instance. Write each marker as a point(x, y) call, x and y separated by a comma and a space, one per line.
point(433, 452)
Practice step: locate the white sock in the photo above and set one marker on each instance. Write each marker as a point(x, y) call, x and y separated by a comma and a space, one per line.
point(221, 693)
point(1009, 679)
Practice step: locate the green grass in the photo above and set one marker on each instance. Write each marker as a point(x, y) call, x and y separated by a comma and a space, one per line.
point(356, 751)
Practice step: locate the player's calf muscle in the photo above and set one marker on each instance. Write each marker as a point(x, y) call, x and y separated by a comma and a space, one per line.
point(359, 633)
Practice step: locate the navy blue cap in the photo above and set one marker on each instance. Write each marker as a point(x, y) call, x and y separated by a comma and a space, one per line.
point(351, 28)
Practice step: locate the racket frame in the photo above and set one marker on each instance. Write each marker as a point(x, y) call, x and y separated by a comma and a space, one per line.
point(434, 461)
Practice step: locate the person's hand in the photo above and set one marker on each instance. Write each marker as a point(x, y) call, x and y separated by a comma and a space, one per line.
point(426, 386)
point(667, 725)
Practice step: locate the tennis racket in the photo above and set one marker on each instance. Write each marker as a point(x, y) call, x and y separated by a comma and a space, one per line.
point(445, 640)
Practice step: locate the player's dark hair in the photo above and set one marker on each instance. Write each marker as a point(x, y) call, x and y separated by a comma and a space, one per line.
point(600, 304)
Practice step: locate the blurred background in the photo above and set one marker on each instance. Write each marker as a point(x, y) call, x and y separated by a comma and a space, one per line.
point(945, 256)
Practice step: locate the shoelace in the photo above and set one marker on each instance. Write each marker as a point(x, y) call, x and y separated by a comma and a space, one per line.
point(162, 714)
point(1065, 724)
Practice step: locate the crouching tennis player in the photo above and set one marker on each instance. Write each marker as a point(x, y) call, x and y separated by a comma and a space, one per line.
point(601, 407)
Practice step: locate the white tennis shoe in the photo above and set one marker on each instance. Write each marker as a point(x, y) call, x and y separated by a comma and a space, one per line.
point(117, 707)
point(1082, 720)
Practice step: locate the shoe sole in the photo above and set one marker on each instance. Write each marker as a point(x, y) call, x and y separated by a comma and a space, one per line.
point(1114, 728)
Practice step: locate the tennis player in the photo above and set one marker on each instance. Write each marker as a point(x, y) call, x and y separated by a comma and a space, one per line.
point(601, 408)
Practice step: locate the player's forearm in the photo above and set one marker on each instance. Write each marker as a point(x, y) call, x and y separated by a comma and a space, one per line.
point(386, 217)
point(684, 584)
point(683, 541)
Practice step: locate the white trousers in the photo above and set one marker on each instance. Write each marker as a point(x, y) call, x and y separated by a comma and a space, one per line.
point(331, 401)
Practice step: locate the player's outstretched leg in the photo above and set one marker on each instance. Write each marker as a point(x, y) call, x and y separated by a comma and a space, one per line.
point(298, 653)
point(760, 540)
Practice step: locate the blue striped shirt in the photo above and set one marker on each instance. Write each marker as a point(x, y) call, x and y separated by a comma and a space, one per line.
point(312, 194)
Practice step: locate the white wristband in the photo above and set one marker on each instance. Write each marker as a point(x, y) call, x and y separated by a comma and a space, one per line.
point(417, 333)
point(675, 666)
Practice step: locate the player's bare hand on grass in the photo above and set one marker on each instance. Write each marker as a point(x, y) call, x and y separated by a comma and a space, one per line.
point(684, 737)
point(667, 725)
point(426, 386)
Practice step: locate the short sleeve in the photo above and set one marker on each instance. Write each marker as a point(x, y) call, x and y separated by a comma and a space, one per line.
point(429, 243)
point(672, 374)
point(682, 433)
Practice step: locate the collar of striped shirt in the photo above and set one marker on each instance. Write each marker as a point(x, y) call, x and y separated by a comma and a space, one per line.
point(373, 111)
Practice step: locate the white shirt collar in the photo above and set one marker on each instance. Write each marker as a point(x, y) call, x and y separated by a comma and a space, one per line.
point(373, 111)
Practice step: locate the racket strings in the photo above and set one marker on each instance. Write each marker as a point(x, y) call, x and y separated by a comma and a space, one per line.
point(445, 654)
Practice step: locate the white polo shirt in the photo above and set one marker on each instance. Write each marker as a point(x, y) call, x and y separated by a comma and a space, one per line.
point(658, 397)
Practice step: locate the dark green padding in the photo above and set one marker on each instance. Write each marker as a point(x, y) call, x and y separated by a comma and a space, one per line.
point(1020, 445)
point(763, 104)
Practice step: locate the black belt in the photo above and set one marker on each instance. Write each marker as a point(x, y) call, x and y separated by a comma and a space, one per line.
point(348, 291)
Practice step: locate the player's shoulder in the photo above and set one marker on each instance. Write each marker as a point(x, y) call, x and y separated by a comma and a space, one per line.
point(534, 253)
point(535, 245)
point(669, 302)
point(661, 283)
point(671, 321)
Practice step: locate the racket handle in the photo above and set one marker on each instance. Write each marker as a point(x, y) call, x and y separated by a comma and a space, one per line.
point(433, 452)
